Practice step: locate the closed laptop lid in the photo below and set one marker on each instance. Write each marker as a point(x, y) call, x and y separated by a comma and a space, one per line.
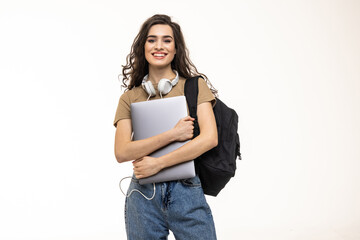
point(153, 117)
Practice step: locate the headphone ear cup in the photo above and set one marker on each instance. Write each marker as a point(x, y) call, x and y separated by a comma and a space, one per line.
point(149, 88)
point(164, 86)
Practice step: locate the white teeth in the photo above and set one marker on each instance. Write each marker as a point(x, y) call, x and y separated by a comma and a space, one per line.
point(159, 55)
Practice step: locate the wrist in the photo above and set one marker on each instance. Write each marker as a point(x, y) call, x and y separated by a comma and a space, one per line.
point(173, 135)
point(161, 162)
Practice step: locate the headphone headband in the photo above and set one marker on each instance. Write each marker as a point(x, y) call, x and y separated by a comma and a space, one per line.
point(164, 86)
point(173, 82)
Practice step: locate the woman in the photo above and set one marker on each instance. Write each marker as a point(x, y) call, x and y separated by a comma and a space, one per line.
point(159, 52)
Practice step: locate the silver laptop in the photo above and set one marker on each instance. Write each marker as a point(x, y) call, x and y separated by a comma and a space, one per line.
point(153, 117)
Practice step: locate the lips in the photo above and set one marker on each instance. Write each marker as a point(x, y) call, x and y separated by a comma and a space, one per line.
point(159, 54)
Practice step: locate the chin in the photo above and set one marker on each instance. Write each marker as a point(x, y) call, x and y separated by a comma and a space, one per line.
point(159, 65)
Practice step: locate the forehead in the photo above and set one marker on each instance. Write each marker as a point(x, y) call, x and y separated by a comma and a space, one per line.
point(160, 30)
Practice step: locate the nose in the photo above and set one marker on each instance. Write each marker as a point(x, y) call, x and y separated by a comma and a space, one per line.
point(158, 45)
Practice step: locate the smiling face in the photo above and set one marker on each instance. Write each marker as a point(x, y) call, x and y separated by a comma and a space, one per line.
point(160, 46)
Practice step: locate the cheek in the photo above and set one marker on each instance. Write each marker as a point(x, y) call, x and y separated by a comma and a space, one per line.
point(147, 44)
point(172, 49)
point(147, 50)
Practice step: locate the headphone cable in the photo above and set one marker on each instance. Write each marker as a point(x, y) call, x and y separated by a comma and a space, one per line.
point(136, 190)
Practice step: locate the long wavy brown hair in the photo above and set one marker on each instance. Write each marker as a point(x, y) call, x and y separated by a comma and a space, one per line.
point(137, 67)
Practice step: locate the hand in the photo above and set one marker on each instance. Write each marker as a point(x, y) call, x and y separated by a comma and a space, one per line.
point(184, 129)
point(146, 167)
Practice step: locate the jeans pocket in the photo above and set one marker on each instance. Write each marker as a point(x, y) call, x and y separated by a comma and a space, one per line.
point(134, 179)
point(191, 182)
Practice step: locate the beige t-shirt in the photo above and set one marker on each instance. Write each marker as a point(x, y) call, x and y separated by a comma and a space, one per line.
point(138, 94)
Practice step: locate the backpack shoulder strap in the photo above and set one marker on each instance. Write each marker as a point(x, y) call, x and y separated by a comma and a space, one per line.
point(191, 91)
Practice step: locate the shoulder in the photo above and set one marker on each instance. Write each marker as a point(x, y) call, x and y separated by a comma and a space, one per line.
point(136, 94)
point(201, 80)
point(205, 93)
point(123, 110)
point(202, 84)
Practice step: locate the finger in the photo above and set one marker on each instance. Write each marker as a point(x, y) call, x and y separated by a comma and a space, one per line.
point(188, 118)
point(137, 165)
point(137, 160)
point(137, 172)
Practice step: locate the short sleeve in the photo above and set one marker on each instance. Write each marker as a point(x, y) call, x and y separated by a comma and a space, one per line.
point(205, 94)
point(123, 108)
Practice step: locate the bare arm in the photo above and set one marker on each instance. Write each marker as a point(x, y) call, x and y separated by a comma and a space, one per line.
point(127, 150)
point(207, 139)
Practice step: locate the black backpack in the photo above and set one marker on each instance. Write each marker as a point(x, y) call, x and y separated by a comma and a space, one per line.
point(216, 166)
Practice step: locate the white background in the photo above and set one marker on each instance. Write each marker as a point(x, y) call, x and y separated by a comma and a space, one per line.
point(291, 69)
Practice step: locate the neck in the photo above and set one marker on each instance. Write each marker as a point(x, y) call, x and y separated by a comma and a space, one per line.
point(155, 74)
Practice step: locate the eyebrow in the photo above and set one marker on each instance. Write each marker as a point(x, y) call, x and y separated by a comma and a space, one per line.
point(154, 36)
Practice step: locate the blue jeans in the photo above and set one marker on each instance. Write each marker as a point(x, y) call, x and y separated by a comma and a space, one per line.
point(178, 205)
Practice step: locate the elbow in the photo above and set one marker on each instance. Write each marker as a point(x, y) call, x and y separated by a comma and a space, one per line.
point(210, 141)
point(122, 153)
point(120, 156)
point(214, 139)
point(213, 142)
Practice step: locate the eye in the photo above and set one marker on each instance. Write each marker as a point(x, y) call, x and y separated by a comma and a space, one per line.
point(167, 41)
point(151, 40)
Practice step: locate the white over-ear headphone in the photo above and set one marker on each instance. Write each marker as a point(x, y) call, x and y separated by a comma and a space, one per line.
point(164, 85)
